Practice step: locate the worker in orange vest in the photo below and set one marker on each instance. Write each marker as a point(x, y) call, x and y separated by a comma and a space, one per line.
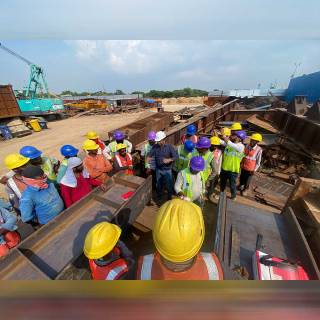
point(123, 160)
point(109, 258)
point(251, 162)
point(178, 235)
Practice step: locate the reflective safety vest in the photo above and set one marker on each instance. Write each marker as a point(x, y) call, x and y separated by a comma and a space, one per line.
point(187, 183)
point(184, 158)
point(112, 271)
point(205, 267)
point(231, 160)
point(208, 157)
point(47, 167)
point(113, 147)
point(124, 162)
point(147, 148)
point(62, 170)
point(250, 160)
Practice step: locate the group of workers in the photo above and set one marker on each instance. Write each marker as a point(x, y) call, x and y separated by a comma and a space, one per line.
point(196, 166)
point(40, 187)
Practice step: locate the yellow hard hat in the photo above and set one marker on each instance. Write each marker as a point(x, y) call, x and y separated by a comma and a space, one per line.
point(178, 231)
point(236, 126)
point(100, 240)
point(92, 135)
point(226, 132)
point(90, 145)
point(257, 137)
point(15, 160)
point(215, 141)
point(121, 146)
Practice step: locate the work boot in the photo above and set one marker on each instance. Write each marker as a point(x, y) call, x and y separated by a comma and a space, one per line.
point(233, 198)
point(244, 193)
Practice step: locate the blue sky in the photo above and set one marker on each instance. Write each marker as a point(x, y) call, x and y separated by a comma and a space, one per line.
point(237, 44)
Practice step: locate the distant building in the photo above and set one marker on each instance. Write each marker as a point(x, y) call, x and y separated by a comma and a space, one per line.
point(306, 85)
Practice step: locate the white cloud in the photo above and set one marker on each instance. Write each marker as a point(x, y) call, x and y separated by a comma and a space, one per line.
point(128, 56)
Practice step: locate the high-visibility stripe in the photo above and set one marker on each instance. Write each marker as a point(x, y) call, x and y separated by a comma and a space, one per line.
point(211, 266)
point(146, 267)
point(114, 273)
point(14, 187)
point(119, 161)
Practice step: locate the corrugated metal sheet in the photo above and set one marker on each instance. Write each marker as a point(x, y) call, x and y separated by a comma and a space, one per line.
point(248, 93)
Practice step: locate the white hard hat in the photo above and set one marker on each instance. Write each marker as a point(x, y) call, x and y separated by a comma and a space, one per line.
point(160, 135)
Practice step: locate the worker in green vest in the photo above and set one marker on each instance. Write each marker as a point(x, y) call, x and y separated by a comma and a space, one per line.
point(191, 184)
point(185, 153)
point(203, 147)
point(111, 149)
point(148, 166)
point(232, 156)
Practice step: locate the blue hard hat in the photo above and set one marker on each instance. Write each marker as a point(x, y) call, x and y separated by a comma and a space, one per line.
point(191, 129)
point(189, 146)
point(30, 152)
point(69, 151)
point(204, 143)
point(197, 163)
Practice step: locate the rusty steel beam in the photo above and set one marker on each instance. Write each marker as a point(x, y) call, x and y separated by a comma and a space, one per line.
point(204, 121)
point(45, 253)
point(138, 130)
point(299, 129)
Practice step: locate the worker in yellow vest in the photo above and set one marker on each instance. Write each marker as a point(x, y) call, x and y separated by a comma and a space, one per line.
point(49, 165)
point(191, 184)
point(185, 153)
point(178, 235)
point(231, 162)
point(251, 162)
point(111, 149)
point(203, 147)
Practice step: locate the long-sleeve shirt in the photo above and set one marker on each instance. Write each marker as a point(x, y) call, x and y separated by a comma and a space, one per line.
point(196, 185)
point(239, 147)
point(40, 204)
point(98, 167)
point(163, 152)
point(84, 186)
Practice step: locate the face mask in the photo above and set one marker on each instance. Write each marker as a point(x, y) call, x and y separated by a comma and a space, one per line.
point(37, 183)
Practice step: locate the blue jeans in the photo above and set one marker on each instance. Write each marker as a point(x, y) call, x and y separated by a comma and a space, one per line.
point(164, 178)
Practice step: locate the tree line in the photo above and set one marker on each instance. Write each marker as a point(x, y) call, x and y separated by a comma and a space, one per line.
point(186, 92)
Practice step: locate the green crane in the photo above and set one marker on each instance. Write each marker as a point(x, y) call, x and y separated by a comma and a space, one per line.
point(37, 81)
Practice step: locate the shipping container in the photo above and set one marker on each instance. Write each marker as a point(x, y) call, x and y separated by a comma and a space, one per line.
point(8, 103)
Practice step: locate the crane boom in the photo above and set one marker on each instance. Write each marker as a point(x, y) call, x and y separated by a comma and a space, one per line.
point(37, 79)
point(15, 54)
